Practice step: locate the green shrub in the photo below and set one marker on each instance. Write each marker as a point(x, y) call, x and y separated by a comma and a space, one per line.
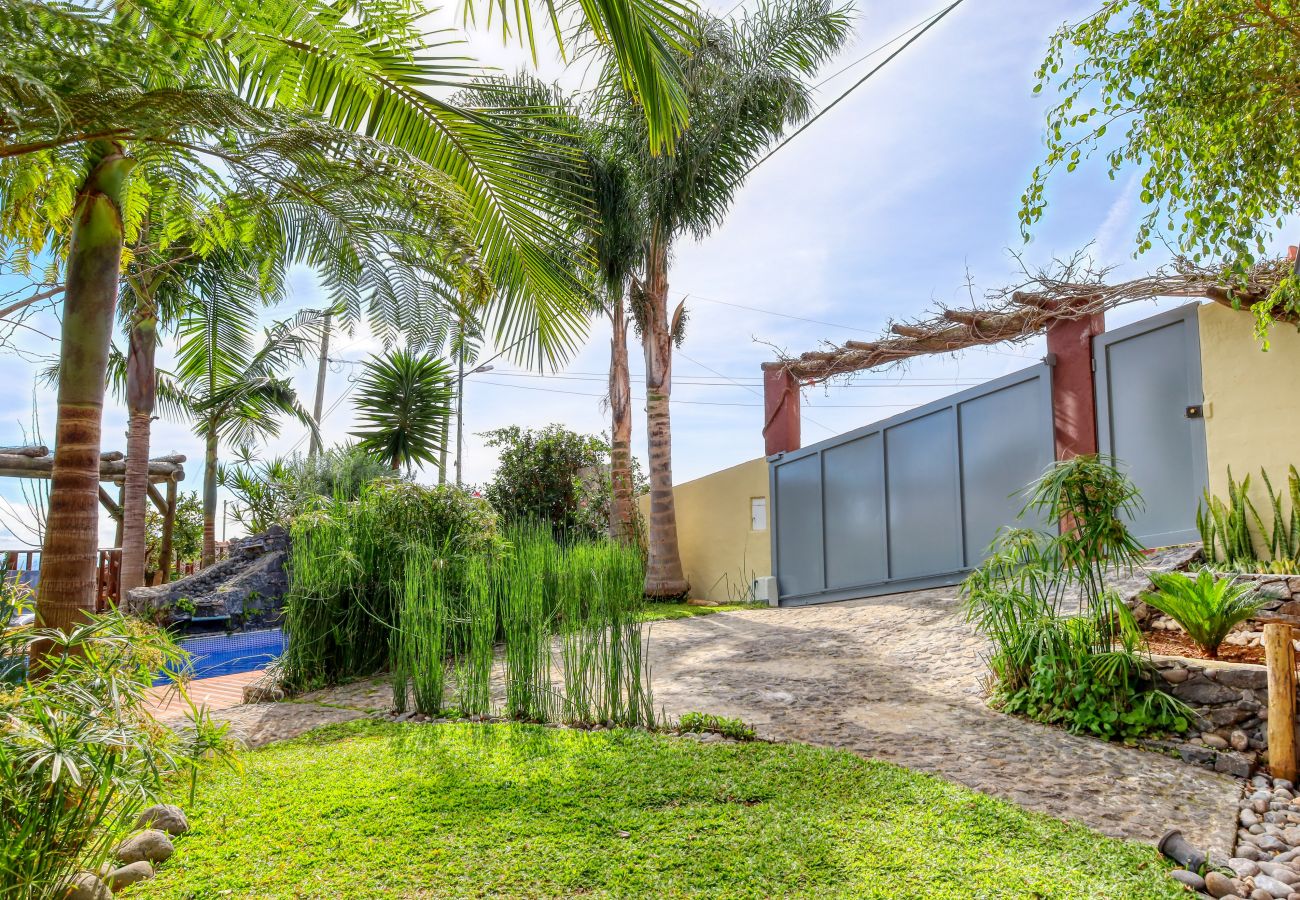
point(556, 476)
point(348, 572)
point(1081, 669)
point(699, 723)
point(1207, 607)
point(79, 752)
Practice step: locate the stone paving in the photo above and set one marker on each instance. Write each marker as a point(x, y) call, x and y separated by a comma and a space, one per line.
point(895, 678)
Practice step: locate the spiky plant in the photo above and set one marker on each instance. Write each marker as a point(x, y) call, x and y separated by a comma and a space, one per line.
point(1207, 607)
point(403, 403)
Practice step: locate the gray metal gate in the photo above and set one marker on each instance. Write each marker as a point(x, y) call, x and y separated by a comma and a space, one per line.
point(913, 501)
point(1149, 403)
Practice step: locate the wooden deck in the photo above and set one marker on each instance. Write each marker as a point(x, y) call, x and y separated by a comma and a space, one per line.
point(221, 692)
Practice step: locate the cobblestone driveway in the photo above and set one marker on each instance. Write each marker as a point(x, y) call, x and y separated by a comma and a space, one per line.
point(898, 678)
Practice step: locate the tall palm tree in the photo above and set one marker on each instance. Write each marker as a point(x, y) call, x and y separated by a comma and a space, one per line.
point(748, 81)
point(87, 92)
point(404, 401)
point(613, 239)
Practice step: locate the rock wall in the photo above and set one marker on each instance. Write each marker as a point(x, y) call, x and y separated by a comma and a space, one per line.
point(1231, 703)
point(248, 587)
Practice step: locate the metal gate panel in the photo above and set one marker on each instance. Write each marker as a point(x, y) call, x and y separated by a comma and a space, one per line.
point(798, 532)
point(1148, 378)
point(924, 505)
point(854, 482)
point(994, 460)
point(911, 501)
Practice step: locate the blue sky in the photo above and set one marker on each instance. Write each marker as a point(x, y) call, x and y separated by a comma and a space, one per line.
point(879, 210)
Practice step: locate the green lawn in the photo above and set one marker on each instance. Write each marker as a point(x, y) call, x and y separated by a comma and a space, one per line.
point(372, 809)
point(660, 612)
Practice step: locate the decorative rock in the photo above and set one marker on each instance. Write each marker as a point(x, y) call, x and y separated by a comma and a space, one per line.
point(164, 817)
point(1243, 867)
point(86, 886)
point(1282, 873)
point(1274, 887)
point(1175, 676)
point(1189, 879)
point(1240, 740)
point(1269, 844)
point(1213, 740)
point(153, 846)
point(129, 874)
point(1250, 852)
point(1219, 885)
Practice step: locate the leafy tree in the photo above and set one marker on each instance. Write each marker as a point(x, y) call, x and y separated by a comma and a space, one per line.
point(90, 92)
point(747, 83)
point(1197, 97)
point(187, 533)
point(404, 402)
point(550, 475)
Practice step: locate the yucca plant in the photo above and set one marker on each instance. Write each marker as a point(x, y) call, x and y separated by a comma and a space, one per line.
point(1207, 608)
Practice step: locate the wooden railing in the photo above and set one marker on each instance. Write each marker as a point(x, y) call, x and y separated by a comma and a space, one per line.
point(108, 570)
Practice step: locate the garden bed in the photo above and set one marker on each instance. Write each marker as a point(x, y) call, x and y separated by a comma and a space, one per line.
point(381, 810)
point(1177, 643)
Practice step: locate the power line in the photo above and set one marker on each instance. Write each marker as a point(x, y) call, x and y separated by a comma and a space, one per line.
point(857, 84)
point(529, 387)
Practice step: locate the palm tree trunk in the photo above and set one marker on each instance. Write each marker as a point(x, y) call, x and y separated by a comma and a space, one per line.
point(664, 577)
point(67, 585)
point(622, 517)
point(141, 384)
point(210, 498)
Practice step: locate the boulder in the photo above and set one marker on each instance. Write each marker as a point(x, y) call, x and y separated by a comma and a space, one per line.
point(151, 846)
point(164, 817)
point(248, 586)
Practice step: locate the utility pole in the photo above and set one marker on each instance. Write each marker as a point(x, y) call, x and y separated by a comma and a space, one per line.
point(319, 405)
point(460, 407)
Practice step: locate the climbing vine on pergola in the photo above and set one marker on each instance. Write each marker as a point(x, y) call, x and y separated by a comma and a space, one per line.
point(1069, 289)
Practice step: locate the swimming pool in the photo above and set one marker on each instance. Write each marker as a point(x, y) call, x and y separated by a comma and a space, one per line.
point(226, 654)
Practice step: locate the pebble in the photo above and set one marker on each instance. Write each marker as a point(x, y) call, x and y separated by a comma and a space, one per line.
point(1219, 885)
point(152, 846)
point(1213, 740)
point(1189, 879)
point(1275, 888)
point(129, 874)
point(86, 886)
point(163, 817)
point(1243, 867)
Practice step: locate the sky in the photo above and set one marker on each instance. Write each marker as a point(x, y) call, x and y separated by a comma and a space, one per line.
point(902, 197)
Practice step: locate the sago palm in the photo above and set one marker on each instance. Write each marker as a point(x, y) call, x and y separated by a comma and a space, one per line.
point(747, 82)
point(1207, 607)
point(404, 403)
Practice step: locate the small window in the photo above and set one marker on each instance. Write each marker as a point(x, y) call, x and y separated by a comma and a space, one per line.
point(758, 514)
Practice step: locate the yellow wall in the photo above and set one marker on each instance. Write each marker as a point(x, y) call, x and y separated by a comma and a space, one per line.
point(1252, 400)
point(720, 552)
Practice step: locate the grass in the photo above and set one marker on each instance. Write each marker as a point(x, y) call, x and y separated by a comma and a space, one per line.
point(374, 809)
point(662, 612)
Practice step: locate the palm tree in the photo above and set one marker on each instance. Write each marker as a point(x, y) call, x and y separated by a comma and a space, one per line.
point(97, 90)
point(404, 401)
point(746, 83)
point(613, 240)
point(231, 388)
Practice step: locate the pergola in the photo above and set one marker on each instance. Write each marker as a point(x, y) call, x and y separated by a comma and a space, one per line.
point(35, 461)
point(1068, 302)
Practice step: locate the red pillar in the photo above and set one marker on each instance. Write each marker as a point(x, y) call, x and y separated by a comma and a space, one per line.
point(780, 411)
point(1074, 397)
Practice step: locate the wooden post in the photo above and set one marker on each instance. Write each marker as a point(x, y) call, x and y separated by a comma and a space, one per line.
point(169, 523)
point(1280, 655)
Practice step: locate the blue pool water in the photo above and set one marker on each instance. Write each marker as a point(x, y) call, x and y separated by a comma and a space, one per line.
point(226, 654)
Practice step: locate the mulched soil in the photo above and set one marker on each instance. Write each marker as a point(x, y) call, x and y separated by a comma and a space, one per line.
point(1177, 643)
